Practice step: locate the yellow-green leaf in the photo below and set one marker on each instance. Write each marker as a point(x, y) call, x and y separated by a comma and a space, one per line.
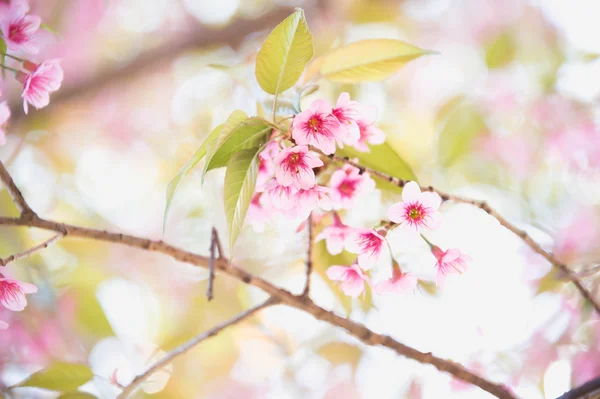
point(238, 133)
point(284, 55)
point(240, 180)
point(457, 134)
point(368, 60)
point(341, 353)
point(59, 376)
point(501, 50)
point(384, 159)
point(76, 395)
point(198, 155)
point(551, 282)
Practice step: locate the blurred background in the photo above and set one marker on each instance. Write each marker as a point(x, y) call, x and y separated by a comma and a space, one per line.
point(507, 112)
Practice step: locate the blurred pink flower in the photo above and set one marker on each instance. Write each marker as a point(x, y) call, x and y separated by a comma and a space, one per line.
point(578, 144)
point(44, 79)
point(257, 215)
point(351, 279)
point(12, 293)
point(586, 366)
point(400, 283)
point(316, 196)
point(335, 235)
point(348, 112)
point(280, 197)
point(266, 168)
point(369, 245)
point(417, 210)
point(579, 237)
point(450, 261)
point(514, 152)
point(4, 115)
point(294, 167)
point(317, 126)
point(18, 28)
point(3, 325)
point(369, 134)
point(346, 184)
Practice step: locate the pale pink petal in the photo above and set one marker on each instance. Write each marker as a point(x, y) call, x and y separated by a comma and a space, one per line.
point(434, 220)
point(14, 301)
point(3, 325)
point(353, 287)
point(4, 113)
point(375, 135)
point(337, 272)
point(28, 288)
point(367, 262)
point(321, 107)
point(305, 178)
point(312, 160)
point(431, 200)
point(396, 212)
point(411, 192)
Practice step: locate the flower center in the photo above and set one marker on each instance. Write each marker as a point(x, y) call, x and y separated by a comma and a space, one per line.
point(347, 188)
point(314, 124)
point(416, 212)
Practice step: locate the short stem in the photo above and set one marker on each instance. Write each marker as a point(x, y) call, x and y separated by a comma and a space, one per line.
point(14, 58)
point(9, 68)
point(431, 245)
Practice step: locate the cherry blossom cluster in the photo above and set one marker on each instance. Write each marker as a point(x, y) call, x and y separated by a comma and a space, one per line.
point(293, 180)
point(19, 32)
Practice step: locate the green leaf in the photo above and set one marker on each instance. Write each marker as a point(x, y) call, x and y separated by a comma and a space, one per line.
point(501, 50)
point(385, 159)
point(238, 133)
point(341, 353)
point(240, 180)
point(77, 395)
point(368, 60)
point(457, 134)
point(284, 55)
point(198, 155)
point(3, 55)
point(59, 376)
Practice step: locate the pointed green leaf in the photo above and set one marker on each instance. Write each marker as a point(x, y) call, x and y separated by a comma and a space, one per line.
point(240, 180)
point(384, 159)
point(198, 155)
point(238, 133)
point(59, 376)
point(284, 55)
point(368, 60)
point(461, 128)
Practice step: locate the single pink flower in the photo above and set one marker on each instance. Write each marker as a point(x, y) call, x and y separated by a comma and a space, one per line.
point(399, 283)
point(417, 210)
point(4, 115)
point(450, 261)
point(3, 325)
point(351, 279)
point(369, 245)
point(316, 196)
point(369, 134)
point(280, 197)
point(44, 79)
point(295, 167)
point(335, 236)
point(317, 126)
point(346, 184)
point(18, 28)
point(12, 293)
point(348, 112)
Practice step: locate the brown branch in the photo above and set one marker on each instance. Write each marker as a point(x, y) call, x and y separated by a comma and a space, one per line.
point(187, 346)
point(309, 260)
point(301, 302)
point(30, 251)
point(14, 192)
point(211, 264)
point(589, 390)
point(495, 214)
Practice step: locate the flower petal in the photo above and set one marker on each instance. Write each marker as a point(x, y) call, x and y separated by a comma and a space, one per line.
point(337, 272)
point(411, 192)
point(431, 200)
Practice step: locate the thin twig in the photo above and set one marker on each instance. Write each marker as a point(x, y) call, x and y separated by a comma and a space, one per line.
point(184, 348)
point(495, 214)
point(30, 251)
point(589, 390)
point(309, 261)
point(303, 303)
point(211, 266)
point(14, 192)
point(215, 234)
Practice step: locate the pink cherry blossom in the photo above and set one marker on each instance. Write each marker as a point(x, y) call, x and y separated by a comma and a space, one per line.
point(369, 134)
point(316, 196)
point(450, 261)
point(369, 245)
point(266, 167)
point(317, 126)
point(294, 167)
point(417, 210)
point(18, 28)
point(336, 235)
point(351, 279)
point(399, 283)
point(3, 325)
point(257, 215)
point(44, 79)
point(347, 112)
point(4, 115)
point(12, 293)
point(280, 197)
point(346, 184)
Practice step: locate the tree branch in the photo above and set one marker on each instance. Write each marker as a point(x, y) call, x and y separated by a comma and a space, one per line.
point(309, 260)
point(589, 390)
point(14, 192)
point(184, 348)
point(587, 295)
point(30, 251)
point(301, 302)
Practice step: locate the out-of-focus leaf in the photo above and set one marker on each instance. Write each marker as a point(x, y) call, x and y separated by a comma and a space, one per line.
point(551, 282)
point(3, 55)
point(384, 159)
point(198, 155)
point(322, 260)
point(284, 55)
point(340, 353)
point(240, 180)
point(428, 287)
point(501, 50)
point(368, 60)
point(59, 376)
point(238, 133)
point(77, 395)
point(458, 132)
